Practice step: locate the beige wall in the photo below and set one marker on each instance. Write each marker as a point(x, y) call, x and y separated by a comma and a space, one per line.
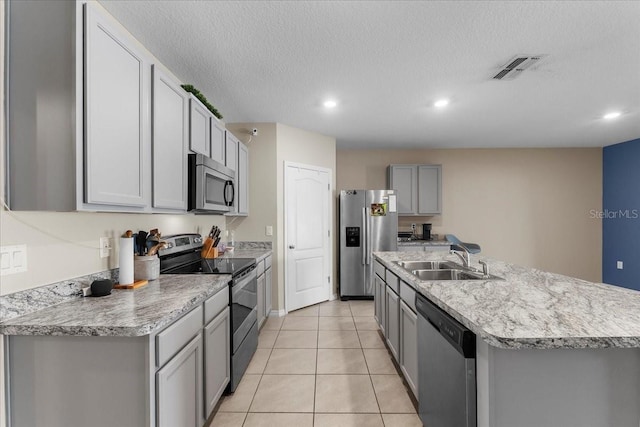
point(275, 144)
point(526, 206)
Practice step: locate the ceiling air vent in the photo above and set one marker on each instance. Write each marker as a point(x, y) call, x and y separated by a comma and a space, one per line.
point(517, 65)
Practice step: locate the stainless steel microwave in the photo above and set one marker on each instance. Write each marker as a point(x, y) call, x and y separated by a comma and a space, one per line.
point(211, 185)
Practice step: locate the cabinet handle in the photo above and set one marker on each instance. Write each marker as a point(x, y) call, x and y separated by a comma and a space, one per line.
point(292, 246)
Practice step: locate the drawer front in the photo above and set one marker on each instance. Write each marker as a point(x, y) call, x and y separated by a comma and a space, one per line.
point(260, 268)
point(408, 295)
point(393, 282)
point(379, 269)
point(177, 335)
point(267, 262)
point(215, 304)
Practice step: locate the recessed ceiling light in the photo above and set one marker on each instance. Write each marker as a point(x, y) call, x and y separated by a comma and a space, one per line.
point(612, 115)
point(441, 103)
point(330, 103)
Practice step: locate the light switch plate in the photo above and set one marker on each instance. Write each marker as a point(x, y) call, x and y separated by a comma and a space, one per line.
point(268, 230)
point(13, 259)
point(619, 265)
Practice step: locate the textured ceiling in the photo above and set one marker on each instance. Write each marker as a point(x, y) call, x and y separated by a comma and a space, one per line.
point(386, 62)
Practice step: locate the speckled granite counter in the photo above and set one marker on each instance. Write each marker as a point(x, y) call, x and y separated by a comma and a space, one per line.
point(424, 243)
point(123, 313)
point(258, 254)
point(531, 308)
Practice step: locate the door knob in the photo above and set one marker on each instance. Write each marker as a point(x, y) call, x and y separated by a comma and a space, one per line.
point(292, 246)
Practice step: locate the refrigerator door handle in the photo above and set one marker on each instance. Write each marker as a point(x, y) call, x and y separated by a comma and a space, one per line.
point(368, 219)
point(364, 236)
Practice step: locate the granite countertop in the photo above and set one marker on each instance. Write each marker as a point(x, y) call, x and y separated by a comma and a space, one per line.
point(258, 254)
point(123, 313)
point(530, 308)
point(425, 243)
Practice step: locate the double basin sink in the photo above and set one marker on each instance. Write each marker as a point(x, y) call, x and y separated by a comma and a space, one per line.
point(443, 270)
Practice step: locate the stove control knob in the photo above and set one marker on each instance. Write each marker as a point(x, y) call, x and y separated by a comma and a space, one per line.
point(197, 240)
point(169, 245)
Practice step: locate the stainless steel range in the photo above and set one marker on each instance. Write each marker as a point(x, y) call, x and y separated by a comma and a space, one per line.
point(182, 256)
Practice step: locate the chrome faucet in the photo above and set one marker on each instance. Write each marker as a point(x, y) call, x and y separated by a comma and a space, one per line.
point(466, 260)
point(485, 268)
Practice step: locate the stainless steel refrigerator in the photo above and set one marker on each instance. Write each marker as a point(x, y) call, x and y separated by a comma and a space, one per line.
point(368, 223)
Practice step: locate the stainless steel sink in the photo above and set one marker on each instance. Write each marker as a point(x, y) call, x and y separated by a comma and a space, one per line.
point(445, 275)
point(430, 265)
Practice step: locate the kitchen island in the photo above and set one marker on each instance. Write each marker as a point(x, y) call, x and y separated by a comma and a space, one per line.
point(551, 350)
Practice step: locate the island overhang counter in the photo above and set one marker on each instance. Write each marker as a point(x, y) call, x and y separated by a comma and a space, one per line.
point(551, 350)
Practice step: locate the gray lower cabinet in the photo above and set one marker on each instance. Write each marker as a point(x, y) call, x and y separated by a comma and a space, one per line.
point(392, 330)
point(268, 289)
point(381, 302)
point(217, 359)
point(409, 346)
point(179, 386)
point(261, 299)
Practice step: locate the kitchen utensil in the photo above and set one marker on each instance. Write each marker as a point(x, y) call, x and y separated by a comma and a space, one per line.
point(141, 241)
point(154, 250)
point(100, 288)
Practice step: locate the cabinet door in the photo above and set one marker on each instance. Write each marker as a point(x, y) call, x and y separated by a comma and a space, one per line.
point(170, 133)
point(261, 298)
point(382, 291)
point(403, 178)
point(268, 290)
point(217, 359)
point(429, 189)
point(179, 388)
point(377, 296)
point(117, 138)
point(393, 322)
point(409, 346)
point(231, 151)
point(218, 133)
point(199, 127)
point(242, 181)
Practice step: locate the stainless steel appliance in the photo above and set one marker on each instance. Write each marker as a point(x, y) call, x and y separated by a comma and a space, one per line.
point(182, 256)
point(446, 368)
point(368, 223)
point(211, 185)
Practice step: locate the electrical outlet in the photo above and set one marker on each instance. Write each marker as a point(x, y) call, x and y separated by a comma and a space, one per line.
point(13, 259)
point(268, 230)
point(619, 265)
point(413, 227)
point(105, 247)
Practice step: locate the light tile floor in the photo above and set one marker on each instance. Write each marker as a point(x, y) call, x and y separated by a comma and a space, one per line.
point(323, 366)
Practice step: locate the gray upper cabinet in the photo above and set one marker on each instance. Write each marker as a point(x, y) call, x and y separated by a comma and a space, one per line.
point(117, 140)
point(218, 145)
point(170, 134)
point(199, 127)
point(231, 151)
point(404, 179)
point(419, 188)
point(242, 181)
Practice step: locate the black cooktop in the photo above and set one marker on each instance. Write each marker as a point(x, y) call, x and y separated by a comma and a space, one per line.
point(231, 266)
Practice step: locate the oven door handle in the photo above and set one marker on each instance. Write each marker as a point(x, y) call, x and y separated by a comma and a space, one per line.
point(246, 279)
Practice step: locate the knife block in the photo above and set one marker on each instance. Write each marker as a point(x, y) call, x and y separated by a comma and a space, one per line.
point(209, 253)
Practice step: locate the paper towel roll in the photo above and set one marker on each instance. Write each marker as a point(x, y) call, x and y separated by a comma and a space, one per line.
point(125, 276)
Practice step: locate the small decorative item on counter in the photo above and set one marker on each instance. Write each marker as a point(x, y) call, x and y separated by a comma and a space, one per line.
point(146, 267)
point(231, 240)
point(100, 288)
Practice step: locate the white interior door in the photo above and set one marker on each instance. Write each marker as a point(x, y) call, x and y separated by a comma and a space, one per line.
point(307, 217)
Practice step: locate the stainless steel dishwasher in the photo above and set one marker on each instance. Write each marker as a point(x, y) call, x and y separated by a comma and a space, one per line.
point(446, 368)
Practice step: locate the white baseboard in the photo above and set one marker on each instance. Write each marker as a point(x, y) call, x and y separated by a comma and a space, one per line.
point(278, 313)
point(333, 297)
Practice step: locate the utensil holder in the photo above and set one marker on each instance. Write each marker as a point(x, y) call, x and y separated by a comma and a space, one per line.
point(146, 267)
